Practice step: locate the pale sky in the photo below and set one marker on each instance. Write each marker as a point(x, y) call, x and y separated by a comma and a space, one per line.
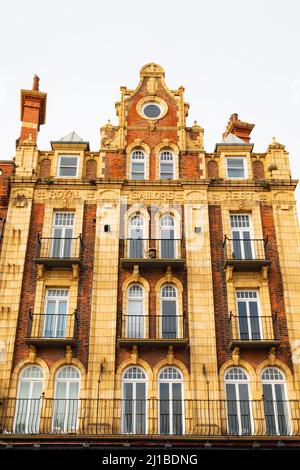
point(231, 57)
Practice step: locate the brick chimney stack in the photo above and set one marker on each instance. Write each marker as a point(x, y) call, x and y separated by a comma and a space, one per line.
point(33, 112)
point(239, 128)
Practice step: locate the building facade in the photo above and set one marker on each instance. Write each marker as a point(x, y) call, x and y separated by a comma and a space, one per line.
point(149, 290)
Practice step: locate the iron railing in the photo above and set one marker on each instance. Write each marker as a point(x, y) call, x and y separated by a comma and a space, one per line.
point(153, 326)
point(245, 249)
point(154, 248)
point(252, 327)
point(60, 248)
point(152, 417)
point(52, 326)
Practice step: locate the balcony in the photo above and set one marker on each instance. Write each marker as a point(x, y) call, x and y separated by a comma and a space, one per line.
point(152, 253)
point(59, 252)
point(247, 255)
point(167, 419)
point(153, 331)
point(51, 329)
point(252, 332)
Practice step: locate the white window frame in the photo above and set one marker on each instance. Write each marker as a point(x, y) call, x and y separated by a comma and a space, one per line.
point(240, 157)
point(131, 227)
point(138, 161)
point(59, 166)
point(170, 382)
point(142, 316)
point(236, 383)
point(240, 230)
point(67, 380)
point(134, 381)
point(31, 381)
point(176, 298)
point(63, 228)
point(246, 300)
point(56, 299)
point(273, 382)
point(167, 162)
point(161, 228)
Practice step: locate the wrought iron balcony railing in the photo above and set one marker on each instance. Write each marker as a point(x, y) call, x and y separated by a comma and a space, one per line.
point(151, 327)
point(152, 417)
point(45, 328)
point(252, 330)
point(152, 252)
point(245, 254)
point(59, 251)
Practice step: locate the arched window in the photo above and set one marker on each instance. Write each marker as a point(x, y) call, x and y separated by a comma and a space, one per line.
point(171, 410)
point(28, 406)
point(67, 385)
point(138, 165)
point(238, 404)
point(166, 165)
point(135, 324)
point(167, 237)
point(134, 401)
point(275, 402)
point(169, 312)
point(136, 229)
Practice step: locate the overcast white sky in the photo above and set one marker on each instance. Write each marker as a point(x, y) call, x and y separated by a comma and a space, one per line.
point(232, 56)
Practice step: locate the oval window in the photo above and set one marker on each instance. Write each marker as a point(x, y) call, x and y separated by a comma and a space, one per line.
point(152, 110)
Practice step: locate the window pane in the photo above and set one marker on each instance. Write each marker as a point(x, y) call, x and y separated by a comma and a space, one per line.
point(140, 409)
point(68, 161)
point(235, 173)
point(164, 409)
point(232, 412)
point(128, 408)
point(243, 322)
point(269, 409)
point(65, 171)
point(235, 163)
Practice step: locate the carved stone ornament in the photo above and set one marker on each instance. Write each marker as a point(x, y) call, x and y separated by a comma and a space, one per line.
point(69, 355)
point(32, 354)
point(169, 274)
point(170, 356)
point(134, 354)
point(20, 201)
point(272, 356)
point(135, 273)
point(236, 356)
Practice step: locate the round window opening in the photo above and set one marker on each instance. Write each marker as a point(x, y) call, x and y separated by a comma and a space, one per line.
point(152, 110)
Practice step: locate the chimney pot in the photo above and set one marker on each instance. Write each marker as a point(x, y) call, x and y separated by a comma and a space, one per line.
point(35, 84)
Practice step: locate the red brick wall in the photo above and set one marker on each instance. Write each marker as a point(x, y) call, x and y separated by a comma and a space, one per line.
point(258, 170)
point(219, 283)
point(31, 114)
point(85, 283)
point(276, 283)
point(115, 165)
point(45, 168)
point(138, 128)
point(212, 169)
point(91, 169)
point(29, 284)
point(189, 166)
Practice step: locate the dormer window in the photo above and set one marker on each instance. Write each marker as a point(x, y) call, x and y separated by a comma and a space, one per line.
point(137, 170)
point(236, 167)
point(67, 166)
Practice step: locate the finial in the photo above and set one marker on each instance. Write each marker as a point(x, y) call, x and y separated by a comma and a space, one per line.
point(195, 123)
point(35, 84)
point(273, 140)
